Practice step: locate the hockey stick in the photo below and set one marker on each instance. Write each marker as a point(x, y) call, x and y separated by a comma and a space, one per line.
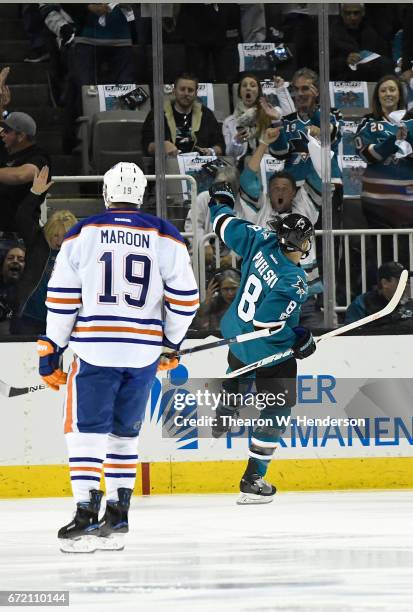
point(261, 333)
point(334, 332)
point(9, 391)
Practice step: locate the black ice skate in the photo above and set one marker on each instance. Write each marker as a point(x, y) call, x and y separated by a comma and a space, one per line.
point(255, 490)
point(114, 523)
point(80, 535)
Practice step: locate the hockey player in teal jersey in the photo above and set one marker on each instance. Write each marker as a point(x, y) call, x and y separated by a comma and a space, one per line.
point(272, 289)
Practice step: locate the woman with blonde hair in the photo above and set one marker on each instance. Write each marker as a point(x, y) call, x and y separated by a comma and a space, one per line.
point(42, 246)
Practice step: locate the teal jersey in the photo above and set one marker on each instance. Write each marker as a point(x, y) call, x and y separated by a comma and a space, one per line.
point(272, 287)
point(35, 306)
point(292, 146)
point(388, 179)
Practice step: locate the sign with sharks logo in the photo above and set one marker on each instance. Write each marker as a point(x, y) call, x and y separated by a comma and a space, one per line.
point(351, 94)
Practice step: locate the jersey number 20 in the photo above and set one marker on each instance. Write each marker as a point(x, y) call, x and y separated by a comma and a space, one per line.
point(252, 291)
point(137, 271)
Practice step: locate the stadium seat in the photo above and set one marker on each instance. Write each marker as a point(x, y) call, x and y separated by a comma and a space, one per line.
point(116, 136)
point(91, 101)
point(91, 108)
point(221, 101)
point(80, 207)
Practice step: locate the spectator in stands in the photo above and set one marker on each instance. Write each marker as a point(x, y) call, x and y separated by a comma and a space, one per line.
point(242, 130)
point(204, 226)
point(295, 25)
point(350, 35)
point(22, 159)
point(283, 198)
point(35, 30)
point(101, 34)
point(400, 320)
point(5, 98)
point(42, 247)
point(11, 270)
point(13, 265)
point(4, 90)
point(224, 174)
point(386, 146)
point(252, 19)
point(189, 125)
point(97, 33)
point(211, 33)
point(292, 143)
point(220, 292)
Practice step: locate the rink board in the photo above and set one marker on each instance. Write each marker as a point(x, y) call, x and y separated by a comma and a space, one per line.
point(223, 476)
point(33, 455)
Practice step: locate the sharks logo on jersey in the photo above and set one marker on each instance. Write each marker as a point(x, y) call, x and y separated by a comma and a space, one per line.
point(301, 286)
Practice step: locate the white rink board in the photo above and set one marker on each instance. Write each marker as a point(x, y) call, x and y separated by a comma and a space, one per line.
point(33, 435)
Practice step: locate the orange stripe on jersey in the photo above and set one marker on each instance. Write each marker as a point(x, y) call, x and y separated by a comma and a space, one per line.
point(120, 465)
point(131, 330)
point(86, 469)
point(181, 302)
point(68, 427)
point(64, 300)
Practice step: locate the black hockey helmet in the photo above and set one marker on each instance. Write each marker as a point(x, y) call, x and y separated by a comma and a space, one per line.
point(294, 232)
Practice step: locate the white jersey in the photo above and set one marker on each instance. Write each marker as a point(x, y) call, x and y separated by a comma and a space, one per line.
point(122, 285)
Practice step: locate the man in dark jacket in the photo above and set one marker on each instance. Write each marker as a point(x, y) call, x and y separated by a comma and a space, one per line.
point(400, 320)
point(351, 34)
point(189, 125)
point(23, 158)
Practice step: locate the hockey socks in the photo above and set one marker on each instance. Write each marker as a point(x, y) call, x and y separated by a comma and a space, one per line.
point(120, 465)
point(260, 453)
point(86, 452)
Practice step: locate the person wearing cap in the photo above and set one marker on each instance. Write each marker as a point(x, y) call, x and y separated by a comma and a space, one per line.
point(387, 280)
point(22, 160)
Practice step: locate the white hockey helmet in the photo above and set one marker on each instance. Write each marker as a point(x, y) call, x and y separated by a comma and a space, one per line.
point(124, 182)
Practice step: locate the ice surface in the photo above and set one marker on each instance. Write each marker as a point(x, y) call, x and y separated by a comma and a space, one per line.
point(335, 551)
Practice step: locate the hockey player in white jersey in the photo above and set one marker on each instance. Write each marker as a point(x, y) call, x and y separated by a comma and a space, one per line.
point(122, 296)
